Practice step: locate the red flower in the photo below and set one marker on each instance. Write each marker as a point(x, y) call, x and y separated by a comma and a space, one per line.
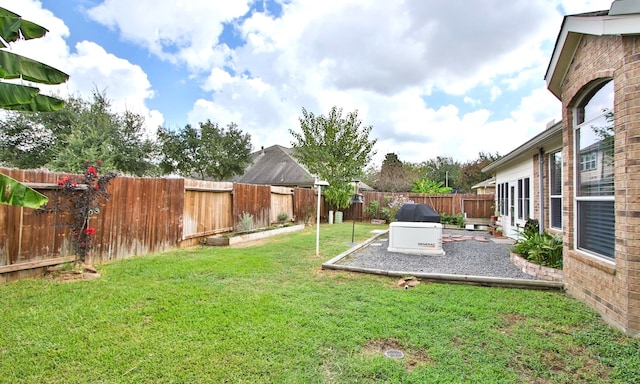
point(96, 187)
point(92, 170)
point(90, 231)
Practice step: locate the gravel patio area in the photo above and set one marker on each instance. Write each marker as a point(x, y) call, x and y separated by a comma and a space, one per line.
point(472, 256)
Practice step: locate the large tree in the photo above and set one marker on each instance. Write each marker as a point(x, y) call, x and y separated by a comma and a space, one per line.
point(394, 175)
point(440, 169)
point(471, 171)
point(207, 151)
point(32, 139)
point(116, 138)
point(335, 148)
point(83, 129)
point(23, 97)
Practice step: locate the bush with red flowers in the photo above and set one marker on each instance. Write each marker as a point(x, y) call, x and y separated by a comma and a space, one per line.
point(81, 195)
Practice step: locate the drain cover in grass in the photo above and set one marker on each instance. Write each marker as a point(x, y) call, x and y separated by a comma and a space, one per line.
point(394, 354)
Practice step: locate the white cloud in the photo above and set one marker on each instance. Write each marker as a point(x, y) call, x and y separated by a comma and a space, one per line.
point(185, 32)
point(384, 58)
point(125, 84)
point(470, 101)
point(388, 60)
point(495, 92)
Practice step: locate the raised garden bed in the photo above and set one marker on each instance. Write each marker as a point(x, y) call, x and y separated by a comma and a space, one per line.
point(544, 273)
point(225, 240)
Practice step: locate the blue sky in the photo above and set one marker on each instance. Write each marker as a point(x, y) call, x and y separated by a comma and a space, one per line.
point(432, 77)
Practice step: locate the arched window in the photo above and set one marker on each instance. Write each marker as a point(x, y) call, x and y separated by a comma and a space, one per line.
point(594, 135)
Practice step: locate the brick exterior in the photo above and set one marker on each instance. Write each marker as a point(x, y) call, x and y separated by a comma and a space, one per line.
point(546, 193)
point(536, 190)
point(611, 288)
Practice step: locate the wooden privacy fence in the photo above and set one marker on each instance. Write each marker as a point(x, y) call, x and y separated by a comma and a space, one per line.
point(146, 215)
point(143, 215)
point(470, 205)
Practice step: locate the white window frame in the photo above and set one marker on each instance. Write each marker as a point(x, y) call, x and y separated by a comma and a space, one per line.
point(577, 168)
point(524, 198)
point(552, 196)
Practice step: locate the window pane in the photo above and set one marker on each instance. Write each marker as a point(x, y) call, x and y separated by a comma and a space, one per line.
point(595, 145)
point(603, 99)
point(596, 224)
point(594, 169)
point(527, 198)
point(556, 174)
point(520, 198)
point(556, 212)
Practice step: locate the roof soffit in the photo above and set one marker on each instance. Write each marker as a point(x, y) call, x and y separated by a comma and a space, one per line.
point(571, 32)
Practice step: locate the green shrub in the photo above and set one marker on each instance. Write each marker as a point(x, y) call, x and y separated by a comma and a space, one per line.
point(540, 248)
point(457, 219)
point(282, 217)
point(246, 222)
point(373, 209)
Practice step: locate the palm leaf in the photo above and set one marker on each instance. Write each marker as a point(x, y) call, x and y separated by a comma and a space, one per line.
point(13, 192)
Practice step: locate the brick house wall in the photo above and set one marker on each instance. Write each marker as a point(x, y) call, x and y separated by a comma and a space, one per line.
point(544, 223)
point(546, 163)
point(610, 287)
point(535, 213)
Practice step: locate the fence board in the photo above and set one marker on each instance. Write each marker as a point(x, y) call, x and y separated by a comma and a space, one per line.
point(478, 206)
point(252, 199)
point(143, 215)
point(281, 201)
point(305, 205)
point(474, 206)
point(207, 208)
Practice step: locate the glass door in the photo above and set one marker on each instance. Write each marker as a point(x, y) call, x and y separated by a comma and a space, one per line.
point(510, 221)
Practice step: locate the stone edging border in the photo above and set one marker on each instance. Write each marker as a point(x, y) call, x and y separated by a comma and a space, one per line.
point(538, 271)
point(225, 241)
point(442, 278)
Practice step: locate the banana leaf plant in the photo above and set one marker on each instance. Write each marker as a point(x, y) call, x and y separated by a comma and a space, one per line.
point(13, 66)
point(20, 97)
point(13, 192)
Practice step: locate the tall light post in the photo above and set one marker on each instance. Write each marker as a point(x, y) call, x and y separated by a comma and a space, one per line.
point(357, 198)
point(319, 184)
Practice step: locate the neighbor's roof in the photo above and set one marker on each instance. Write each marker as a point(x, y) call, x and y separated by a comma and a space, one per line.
point(275, 166)
point(485, 184)
point(622, 19)
point(528, 149)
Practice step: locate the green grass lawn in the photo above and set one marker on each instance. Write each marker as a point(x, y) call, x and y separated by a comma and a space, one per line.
point(267, 313)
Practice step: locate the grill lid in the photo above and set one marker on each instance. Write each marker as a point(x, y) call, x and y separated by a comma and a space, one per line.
point(417, 213)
